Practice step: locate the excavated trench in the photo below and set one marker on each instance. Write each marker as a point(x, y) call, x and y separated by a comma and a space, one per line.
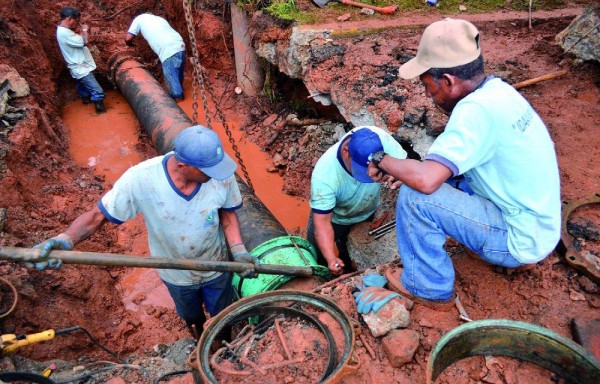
point(62, 157)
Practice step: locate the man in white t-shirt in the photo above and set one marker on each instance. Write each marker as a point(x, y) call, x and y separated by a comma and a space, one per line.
point(167, 44)
point(342, 194)
point(189, 199)
point(78, 57)
point(497, 142)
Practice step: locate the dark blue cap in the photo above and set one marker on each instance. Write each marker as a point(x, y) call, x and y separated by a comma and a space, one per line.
point(200, 147)
point(363, 144)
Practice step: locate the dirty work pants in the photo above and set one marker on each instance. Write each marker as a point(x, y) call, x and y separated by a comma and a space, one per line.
point(424, 221)
point(215, 294)
point(173, 71)
point(88, 88)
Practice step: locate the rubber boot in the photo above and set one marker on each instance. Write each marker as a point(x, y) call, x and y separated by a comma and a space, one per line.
point(99, 105)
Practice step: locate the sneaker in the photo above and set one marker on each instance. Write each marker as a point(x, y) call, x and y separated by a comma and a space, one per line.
point(394, 284)
point(99, 105)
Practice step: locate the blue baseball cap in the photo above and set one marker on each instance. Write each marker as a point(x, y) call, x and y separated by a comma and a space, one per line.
point(363, 144)
point(200, 147)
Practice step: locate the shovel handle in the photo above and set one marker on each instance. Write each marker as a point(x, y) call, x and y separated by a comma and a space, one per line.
point(384, 10)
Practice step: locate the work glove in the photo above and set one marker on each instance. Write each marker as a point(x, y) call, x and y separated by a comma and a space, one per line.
point(61, 242)
point(373, 299)
point(242, 256)
point(371, 280)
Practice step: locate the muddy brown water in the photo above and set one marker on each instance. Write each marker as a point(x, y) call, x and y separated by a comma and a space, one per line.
point(107, 144)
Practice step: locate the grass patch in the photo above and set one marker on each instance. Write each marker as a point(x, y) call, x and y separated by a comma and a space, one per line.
point(289, 10)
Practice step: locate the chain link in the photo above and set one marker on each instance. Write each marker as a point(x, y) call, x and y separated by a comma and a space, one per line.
point(200, 81)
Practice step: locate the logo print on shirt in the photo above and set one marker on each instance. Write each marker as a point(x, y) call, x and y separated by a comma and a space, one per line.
point(211, 216)
point(210, 219)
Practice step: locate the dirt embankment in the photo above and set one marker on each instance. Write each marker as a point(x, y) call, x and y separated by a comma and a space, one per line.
point(43, 190)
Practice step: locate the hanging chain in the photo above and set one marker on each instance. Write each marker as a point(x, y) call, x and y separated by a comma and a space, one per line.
point(200, 81)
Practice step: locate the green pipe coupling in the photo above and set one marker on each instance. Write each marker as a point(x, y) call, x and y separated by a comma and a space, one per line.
point(284, 250)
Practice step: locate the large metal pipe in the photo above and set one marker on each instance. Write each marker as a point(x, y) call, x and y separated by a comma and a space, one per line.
point(163, 119)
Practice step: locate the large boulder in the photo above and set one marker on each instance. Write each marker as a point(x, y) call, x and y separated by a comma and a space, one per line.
point(582, 36)
point(18, 85)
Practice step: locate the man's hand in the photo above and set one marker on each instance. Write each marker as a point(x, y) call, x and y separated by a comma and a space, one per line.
point(336, 266)
point(61, 242)
point(241, 255)
point(392, 182)
point(375, 173)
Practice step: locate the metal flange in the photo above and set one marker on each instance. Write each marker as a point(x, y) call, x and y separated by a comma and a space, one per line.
point(246, 306)
point(14, 299)
point(586, 263)
point(524, 341)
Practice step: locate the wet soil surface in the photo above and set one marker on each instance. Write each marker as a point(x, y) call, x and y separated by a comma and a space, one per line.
point(44, 187)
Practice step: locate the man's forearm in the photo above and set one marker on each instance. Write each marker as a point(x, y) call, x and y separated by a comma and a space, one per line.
point(424, 176)
point(86, 225)
point(231, 227)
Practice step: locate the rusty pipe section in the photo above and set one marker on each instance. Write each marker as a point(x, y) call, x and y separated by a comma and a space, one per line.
point(157, 112)
point(163, 119)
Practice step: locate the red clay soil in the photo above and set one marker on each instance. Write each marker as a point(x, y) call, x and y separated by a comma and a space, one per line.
point(43, 190)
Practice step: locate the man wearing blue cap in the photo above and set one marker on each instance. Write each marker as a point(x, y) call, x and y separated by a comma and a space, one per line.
point(189, 199)
point(511, 214)
point(342, 194)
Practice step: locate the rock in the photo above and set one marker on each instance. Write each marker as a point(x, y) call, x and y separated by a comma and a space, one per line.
point(367, 11)
point(576, 296)
point(279, 161)
point(18, 85)
point(393, 315)
point(400, 346)
point(582, 37)
point(270, 120)
point(586, 284)
point(462, 8)
point(344, 17)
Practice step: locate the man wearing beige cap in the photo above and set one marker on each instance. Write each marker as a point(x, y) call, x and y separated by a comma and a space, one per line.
point(509, 209)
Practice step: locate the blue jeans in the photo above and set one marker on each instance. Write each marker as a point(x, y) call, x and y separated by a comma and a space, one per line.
point(88, 88)
point(173, 70)
point(422, 223)
point(215, 294)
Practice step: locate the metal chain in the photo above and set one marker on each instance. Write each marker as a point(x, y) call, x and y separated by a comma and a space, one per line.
point(200, 81)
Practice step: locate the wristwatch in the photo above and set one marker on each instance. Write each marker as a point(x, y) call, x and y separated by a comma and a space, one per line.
point(376, 159)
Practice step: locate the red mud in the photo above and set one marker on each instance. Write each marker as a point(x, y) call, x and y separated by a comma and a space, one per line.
point(46, 182)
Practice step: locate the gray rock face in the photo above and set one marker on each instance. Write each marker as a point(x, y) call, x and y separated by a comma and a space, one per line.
point(18, 85)
point(582, 37)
